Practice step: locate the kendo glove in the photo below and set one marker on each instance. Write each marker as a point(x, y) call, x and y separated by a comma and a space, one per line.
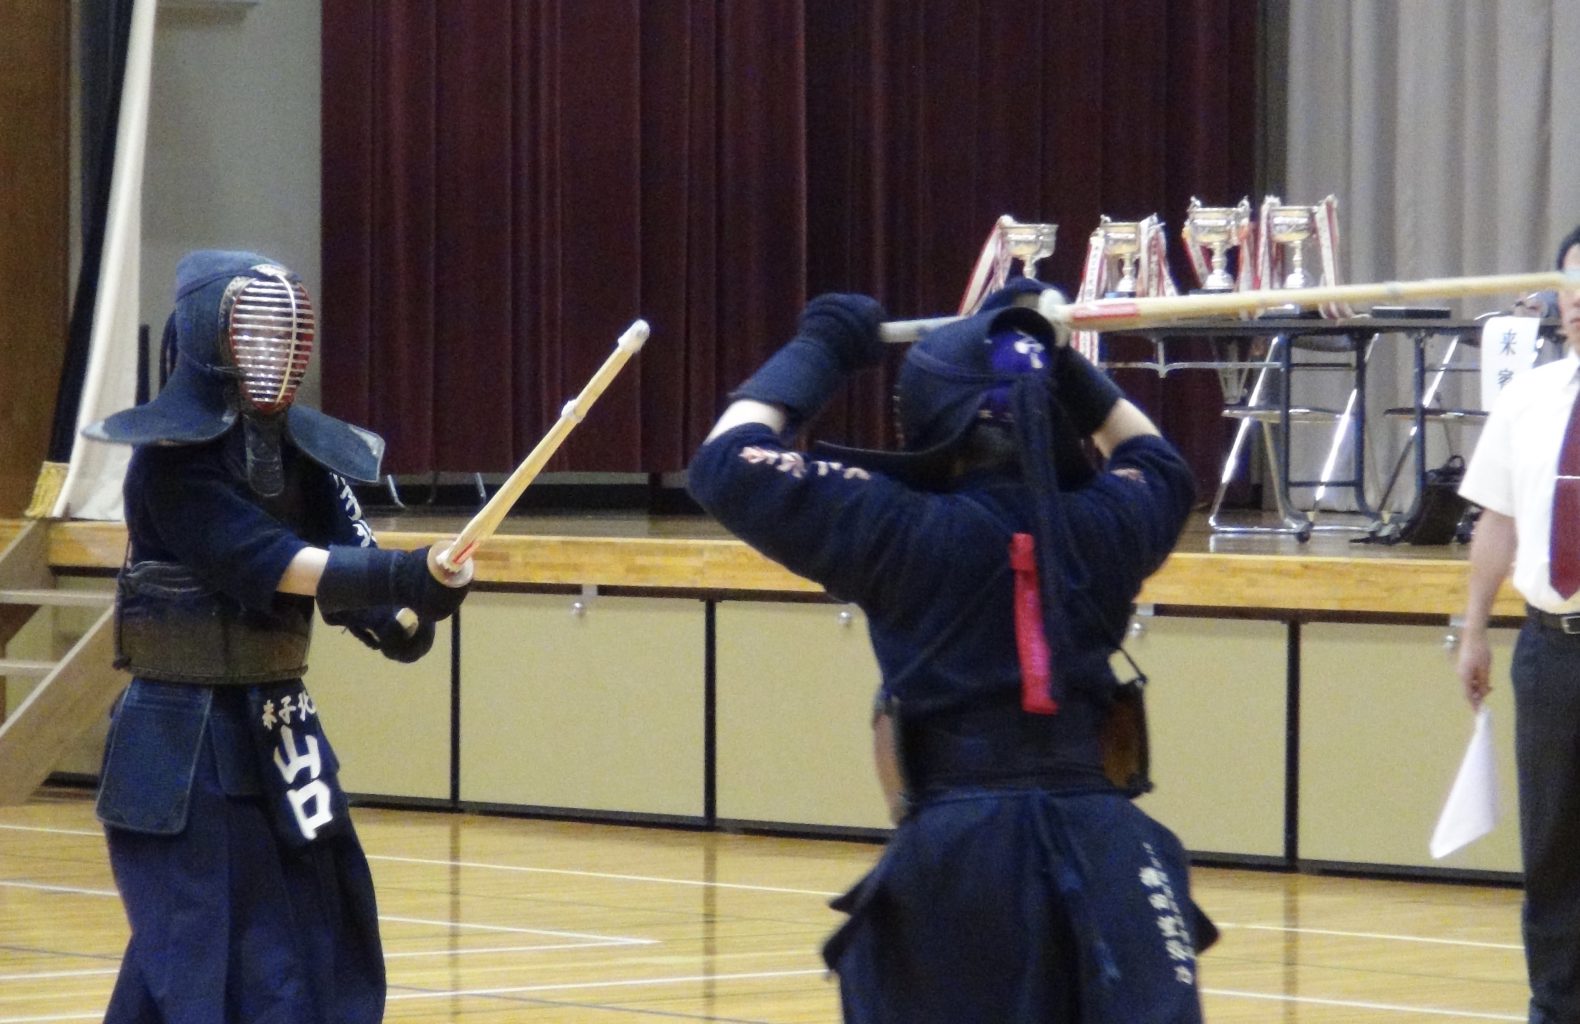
point(397, 643)
point(383, 630)
point(369, 577)
point(1072, 466)
point(837, 335)
point(847, 324)
point(1085, 393)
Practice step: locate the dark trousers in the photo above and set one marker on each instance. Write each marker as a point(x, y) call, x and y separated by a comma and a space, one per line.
point(1546, 677)
point(229, 923)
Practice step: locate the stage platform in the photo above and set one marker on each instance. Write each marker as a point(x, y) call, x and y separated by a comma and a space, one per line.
point(1329, 574)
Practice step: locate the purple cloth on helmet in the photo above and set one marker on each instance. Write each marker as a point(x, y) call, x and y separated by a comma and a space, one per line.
point(1011, 352)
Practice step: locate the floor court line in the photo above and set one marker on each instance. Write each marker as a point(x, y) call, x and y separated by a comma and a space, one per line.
point(71, 890)
point(621, 939)
point(397, 994)
point(1356, 1004)
point(591, 941)
point(548, 947)
point(86, 972)
point(1381, 936)
point(1353, 1004)
point(616, 983)
point(594, 940)
point(522, 869)
point(504, 867)
point(1370, 935)
point(52, 831)
point(1336, 1003)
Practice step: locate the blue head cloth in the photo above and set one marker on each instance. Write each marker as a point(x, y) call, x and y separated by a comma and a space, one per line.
point(962, 373)
point(200, 402)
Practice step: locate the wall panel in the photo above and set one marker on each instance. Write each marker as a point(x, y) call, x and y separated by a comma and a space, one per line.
point(35, 171)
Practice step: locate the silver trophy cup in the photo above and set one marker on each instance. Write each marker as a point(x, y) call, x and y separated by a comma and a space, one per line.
point(1290, 226)
point(1122, 239)
point(1218, 228)
point(1028, 243)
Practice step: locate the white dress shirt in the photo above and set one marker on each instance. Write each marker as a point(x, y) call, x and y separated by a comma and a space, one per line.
point(1515, 466)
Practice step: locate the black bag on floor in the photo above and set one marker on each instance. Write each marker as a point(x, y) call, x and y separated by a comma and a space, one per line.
point(1439, 509)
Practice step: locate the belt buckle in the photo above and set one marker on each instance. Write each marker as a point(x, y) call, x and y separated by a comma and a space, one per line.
point(1570, 624)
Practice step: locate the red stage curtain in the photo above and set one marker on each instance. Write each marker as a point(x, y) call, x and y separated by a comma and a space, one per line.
point(507, 185)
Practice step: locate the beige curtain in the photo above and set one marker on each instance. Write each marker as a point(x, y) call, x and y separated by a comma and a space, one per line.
point(1450, 132)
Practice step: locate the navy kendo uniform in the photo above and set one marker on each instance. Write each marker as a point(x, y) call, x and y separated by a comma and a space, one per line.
point(246, 888)
point(1022, 884)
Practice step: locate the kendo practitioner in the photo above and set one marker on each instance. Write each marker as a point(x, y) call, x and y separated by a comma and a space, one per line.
point(997, 568)
point(245, 885)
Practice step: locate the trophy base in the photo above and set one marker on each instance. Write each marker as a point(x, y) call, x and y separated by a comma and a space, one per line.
point(1212, 291)
point(1412, 312)
point(1290, 312)
point(1119, 295)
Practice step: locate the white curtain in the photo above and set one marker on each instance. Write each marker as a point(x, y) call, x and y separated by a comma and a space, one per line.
point(1450, 132)
point(92, 489)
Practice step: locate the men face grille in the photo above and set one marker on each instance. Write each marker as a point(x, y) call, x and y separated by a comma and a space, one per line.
point(272, 326)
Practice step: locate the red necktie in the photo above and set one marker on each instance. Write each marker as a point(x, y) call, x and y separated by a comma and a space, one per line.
point(1564, 543)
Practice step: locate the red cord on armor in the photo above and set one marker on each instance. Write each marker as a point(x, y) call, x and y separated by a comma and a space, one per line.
point(1031, 643)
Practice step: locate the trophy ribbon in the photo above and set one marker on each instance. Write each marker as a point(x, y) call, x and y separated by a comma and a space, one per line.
point(991, 270)
point(1245, 273)
point(1094, 277)
point(1267, 255)
point(1327, 217)
point(1196, 251)
point(1154, 275)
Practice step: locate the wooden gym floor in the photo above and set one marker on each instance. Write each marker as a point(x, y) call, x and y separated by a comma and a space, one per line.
point(497, 919)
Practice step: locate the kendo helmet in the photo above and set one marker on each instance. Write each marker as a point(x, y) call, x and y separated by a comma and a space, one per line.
point(236, 347)
point(956, 377)
point(242, 323)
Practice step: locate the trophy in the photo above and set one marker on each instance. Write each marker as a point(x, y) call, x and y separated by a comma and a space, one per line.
point(1290, 226)
point(1218, 228)
point(1122, 239)
point(1028, 242)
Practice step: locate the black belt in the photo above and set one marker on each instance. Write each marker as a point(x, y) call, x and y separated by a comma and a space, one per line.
point(1569, 623)
point(999, 745)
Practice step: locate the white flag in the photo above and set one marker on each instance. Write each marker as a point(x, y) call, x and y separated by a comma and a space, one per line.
point(92, 488)
point(1472, 807)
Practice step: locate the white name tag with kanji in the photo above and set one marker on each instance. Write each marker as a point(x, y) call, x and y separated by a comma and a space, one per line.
point(1509, 344)
point(296, 767)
